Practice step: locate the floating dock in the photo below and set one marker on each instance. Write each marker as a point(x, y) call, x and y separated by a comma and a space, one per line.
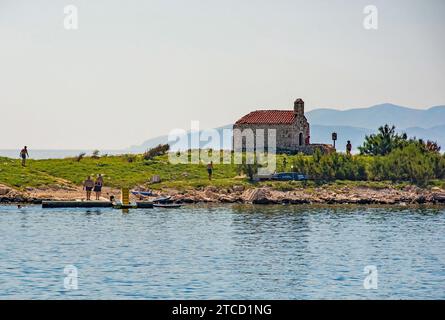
point(90, 204)
point(76, 204)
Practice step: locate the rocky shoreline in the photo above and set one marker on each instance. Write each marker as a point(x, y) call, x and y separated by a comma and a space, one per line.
point(344, 195)
point(261, 195)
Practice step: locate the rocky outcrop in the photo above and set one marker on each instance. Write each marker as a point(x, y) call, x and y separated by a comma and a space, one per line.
point(238, 188)
point(322, 195)
point(8, 195)
point(4, 190)
point(261, 195)
point(438, 197)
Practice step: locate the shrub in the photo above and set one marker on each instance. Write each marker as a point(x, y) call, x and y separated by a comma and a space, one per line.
point(411, 163)
point(80, 156)
point(333, 166)
point(156, 151)
point(250, 170)
point(130, 158)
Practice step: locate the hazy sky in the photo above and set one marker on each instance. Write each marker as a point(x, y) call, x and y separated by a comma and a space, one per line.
point(137, 69)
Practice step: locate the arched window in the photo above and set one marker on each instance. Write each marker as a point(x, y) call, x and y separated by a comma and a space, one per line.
point(300, 139)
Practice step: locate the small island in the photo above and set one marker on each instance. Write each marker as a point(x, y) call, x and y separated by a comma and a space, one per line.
point(390, 169)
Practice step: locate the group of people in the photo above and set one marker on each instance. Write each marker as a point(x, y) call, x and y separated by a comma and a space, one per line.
point(90, 185)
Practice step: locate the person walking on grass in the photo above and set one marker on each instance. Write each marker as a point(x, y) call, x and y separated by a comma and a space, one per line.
point(24, 154)
point(210, 169)
point(98, 186)
point(88, 187)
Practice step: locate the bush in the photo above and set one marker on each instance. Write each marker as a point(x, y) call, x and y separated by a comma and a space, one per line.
point(330, 167)
point(249, 170)
point(411, 163)
point(80, 156)
point(156, 151)
point(130, 158)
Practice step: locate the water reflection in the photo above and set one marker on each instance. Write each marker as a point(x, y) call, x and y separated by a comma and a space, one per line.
point(93, 211)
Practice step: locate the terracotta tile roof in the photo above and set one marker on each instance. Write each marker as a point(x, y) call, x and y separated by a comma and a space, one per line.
point(268, 117)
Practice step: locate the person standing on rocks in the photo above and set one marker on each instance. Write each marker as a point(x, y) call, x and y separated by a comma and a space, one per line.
point(24, 154)
point(88, 187)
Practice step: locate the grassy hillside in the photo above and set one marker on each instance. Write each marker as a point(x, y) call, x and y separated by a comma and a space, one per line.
point(118, 171)
point(13, 174)
point(134, 170)
point(127, 171)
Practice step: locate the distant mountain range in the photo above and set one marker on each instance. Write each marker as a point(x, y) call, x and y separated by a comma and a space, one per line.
point(375, 116)
point(351, 124)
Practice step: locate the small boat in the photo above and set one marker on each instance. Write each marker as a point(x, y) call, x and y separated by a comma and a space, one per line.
point(142, 193)
point(161, 199)
point(120, 205)
point(167, 205)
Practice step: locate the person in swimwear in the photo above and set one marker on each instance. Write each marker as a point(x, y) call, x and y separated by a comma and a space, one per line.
point(24, 154)
point(88, 187)
point(98, 186)
point(210, 169)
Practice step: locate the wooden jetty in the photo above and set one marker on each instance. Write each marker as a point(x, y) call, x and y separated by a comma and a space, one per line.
point(123, 203)
point(91, 204)
point(77, 204)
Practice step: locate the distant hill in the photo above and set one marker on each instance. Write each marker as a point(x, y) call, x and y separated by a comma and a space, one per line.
point(377, 115)
point(436, 133)
point(182, 145)
point(351, 124)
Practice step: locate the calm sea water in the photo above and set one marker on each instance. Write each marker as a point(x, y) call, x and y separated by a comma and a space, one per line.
point(237, 252)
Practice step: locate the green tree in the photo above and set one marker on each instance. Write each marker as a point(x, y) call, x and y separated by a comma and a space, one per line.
point(382, 143)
